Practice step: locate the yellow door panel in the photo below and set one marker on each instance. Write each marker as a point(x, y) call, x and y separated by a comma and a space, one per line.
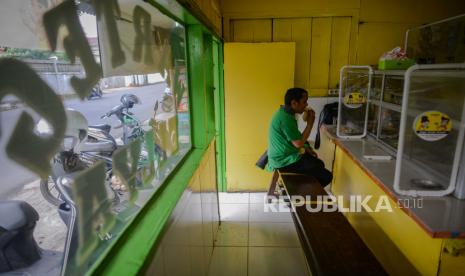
point(320, 53)
point(298, 30)
point(251, 30)
point(340, 41)
point(256, 76)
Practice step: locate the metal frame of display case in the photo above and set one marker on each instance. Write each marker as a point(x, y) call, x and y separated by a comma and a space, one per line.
point(370, 74)
point(403, 124)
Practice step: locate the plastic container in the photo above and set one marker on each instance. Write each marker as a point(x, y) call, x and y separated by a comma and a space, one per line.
point(395, 64)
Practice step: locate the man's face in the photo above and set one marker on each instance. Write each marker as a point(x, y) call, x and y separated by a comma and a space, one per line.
point(299, 106)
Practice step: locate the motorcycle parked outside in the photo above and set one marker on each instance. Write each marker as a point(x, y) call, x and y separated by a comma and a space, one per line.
point(132, 128)
point(98, 145)
point(82, 146)
point(96, 92)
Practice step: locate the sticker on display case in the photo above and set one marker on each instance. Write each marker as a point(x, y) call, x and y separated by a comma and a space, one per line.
point(354, 100)
point(432, 125)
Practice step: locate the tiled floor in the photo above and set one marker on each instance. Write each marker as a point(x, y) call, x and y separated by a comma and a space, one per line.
point(254, 242)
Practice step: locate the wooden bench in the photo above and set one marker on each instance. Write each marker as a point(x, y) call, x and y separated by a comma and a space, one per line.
point(331, 245)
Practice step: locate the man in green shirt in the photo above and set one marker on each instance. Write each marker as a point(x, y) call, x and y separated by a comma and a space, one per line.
point(288, 149)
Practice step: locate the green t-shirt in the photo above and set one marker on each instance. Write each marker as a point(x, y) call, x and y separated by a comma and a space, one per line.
point(283, 130)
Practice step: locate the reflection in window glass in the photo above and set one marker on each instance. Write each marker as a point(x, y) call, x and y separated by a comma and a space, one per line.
point(121, 141)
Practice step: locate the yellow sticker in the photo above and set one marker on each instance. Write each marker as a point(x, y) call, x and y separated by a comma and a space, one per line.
point(354, 100)
point(432, 125)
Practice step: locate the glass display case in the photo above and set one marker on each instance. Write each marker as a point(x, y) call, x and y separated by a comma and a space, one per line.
point(437, 42)
point(418, 114)
point(429, 154)
point(432, 154)
point(385, 106)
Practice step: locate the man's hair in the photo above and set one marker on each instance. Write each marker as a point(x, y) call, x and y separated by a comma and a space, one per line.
point(295, 94)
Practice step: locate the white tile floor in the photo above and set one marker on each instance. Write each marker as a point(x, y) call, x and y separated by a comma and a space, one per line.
point(254, 242)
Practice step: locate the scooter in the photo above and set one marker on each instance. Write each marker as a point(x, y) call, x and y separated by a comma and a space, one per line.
point(79, 151)
point(82, 146)
point(132, 128)
point(98, 145)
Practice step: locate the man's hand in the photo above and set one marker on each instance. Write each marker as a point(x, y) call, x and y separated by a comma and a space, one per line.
point(310, 117)
point(311, 152)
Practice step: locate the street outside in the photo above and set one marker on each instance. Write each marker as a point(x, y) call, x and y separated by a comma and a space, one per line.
point(14, 176)
point(18, 183)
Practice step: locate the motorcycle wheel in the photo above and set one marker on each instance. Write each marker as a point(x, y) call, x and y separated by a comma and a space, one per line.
point(50, 192)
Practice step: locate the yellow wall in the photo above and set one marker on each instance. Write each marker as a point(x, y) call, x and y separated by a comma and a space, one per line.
point(256, 78)
point(186, 246)
point(375, 26)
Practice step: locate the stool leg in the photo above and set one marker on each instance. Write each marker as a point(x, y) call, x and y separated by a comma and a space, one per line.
point(271, 191)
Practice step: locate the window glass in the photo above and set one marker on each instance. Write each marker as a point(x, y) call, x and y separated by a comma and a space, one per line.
point(94, 116)
point(390, 122)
